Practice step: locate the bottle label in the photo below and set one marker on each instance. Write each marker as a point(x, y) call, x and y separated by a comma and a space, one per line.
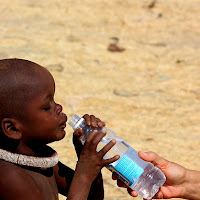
point(127, 170)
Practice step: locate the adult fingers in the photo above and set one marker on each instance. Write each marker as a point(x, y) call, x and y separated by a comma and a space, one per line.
point(153, 158)
point(133, 193)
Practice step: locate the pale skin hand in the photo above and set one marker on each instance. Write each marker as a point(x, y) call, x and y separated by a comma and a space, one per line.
point(180, 183)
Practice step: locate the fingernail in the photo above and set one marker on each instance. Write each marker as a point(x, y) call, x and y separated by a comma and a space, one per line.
point(94, 124)
point(100, 124)
point(144, 153)
point(114, 141)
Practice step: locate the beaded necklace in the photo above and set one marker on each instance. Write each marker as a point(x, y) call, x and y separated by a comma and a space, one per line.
point(20, 159)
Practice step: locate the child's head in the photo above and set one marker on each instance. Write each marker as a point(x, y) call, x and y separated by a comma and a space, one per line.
point(28, 111)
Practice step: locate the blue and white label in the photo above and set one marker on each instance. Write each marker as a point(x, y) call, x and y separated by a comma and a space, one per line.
point(127, 170)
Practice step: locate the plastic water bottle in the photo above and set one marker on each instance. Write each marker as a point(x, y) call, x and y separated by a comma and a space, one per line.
point(139, 175)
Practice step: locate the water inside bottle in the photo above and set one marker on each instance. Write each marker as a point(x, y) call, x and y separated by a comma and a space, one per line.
point(118, 149)
point(149, 182)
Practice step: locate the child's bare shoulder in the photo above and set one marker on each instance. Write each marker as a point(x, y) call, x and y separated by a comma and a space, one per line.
point(12, 172)
point(15, 183)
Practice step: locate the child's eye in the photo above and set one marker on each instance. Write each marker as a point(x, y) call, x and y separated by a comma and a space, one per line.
point(47, 108)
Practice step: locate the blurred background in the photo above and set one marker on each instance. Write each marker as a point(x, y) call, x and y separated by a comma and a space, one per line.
point(135, 64)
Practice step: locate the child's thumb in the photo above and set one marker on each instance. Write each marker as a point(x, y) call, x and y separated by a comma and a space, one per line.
point(78, 132)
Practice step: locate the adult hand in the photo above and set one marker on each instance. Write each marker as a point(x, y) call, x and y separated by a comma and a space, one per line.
point(175, 177)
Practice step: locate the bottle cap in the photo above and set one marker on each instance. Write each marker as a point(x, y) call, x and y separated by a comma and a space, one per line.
point(75, 122)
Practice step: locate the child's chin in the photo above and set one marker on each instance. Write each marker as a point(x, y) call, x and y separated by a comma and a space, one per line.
point(61, 135)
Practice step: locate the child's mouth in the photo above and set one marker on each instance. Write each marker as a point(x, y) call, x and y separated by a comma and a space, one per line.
point(63, 123)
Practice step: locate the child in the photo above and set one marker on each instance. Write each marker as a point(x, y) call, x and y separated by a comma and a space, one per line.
point(30, 119)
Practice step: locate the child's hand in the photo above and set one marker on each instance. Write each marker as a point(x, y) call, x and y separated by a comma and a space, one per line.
point(91, 162)
point(88, 168)
point(90, 120)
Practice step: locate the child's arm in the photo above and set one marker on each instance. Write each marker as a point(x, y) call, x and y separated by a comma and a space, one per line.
point(97, 185)
point(64, 176)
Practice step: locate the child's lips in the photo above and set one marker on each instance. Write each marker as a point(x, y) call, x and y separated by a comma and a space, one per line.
point(63, 126)
point(63, 123)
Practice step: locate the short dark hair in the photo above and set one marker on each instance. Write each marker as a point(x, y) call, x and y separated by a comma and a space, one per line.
point(16, 75)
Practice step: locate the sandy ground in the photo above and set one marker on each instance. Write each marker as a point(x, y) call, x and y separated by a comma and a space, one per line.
point(148, 94)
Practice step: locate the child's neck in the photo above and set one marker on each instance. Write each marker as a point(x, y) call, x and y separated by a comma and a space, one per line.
point(24, 149)
point(33, 149)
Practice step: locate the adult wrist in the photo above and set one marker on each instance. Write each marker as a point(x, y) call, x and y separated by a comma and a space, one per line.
point(191, 187)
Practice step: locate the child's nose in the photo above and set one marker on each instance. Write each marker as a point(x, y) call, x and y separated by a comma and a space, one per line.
point(59, 108)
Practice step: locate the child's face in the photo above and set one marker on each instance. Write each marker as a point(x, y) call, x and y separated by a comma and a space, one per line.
point(44, 122)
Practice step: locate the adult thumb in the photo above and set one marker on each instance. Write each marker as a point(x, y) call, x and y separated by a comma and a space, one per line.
point(152, 157)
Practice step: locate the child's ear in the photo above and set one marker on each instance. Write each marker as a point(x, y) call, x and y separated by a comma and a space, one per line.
point(11, 128)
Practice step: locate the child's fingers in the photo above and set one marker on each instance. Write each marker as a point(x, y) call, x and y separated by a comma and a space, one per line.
point(114, 176)
point(91, 120)
point(121, 184)
point(107, 147)
point(110, 160)
point(87, 119)
point(100, 123)
point(94, 138)
point(94, 121)
point(78, 133)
